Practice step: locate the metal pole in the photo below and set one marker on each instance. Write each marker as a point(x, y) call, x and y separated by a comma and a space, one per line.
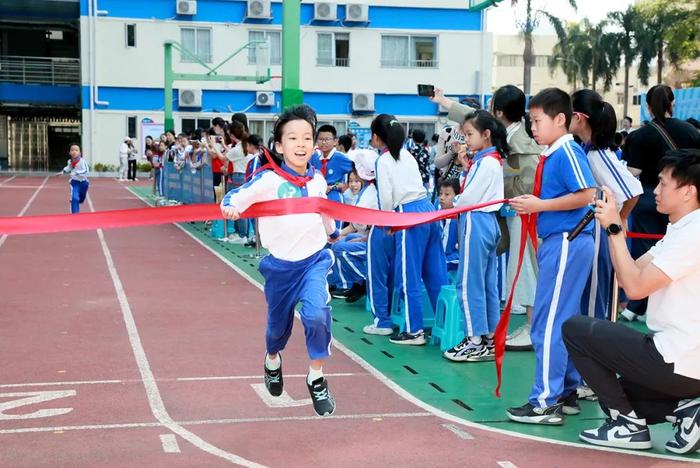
point(615, 298)
point(292, 95)
point(168, 88)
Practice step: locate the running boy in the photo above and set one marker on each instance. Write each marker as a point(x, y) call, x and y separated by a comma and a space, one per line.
point(296, 268)
point(78, 170)
point(562, 189)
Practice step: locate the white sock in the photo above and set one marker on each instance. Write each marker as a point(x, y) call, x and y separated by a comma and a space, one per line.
point(475, 339)
point(314, 374)
point(273, 364)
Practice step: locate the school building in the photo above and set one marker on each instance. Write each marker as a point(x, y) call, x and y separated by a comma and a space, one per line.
point(106, 79)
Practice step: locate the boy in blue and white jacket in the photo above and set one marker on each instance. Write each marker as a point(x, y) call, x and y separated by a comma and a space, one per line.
point(79, 184)
point(296, 268)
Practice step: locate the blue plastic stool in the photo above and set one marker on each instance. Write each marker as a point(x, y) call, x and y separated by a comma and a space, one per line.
point(448, 329)
point(217, 228)
point(398, 316)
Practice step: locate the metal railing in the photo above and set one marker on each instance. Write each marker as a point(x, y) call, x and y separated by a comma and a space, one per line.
point(399, 63)
point(39, 70)
point(330, 62)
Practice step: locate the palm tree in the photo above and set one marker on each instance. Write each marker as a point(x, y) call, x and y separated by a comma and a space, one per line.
point(628, 22)
point(659, 19)
point(527, 27)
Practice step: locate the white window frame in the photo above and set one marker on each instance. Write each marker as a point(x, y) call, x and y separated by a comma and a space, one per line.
point(196, 29)
point(126, 35)
point(334, 61)
point(412, 61)
point(252, 59)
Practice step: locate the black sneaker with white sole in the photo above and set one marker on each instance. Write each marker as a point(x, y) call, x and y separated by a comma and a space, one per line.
point(273, 379)
point(570, 404)
point(405, 338)
point(687, 426)
point(468, 351)
point(619, 431)
point(528, 414)
point(324, 403)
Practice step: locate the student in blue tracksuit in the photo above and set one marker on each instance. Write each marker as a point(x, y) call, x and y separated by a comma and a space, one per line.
point(449, 189)
point(563, 188)
point(418, 252)
point(594, 122)
point(78, 169)
point(351, 252)
point(296, 268)
point(333, 165)
point(479, 234)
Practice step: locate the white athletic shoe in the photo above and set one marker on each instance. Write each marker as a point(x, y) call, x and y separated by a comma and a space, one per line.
point(372, 329)
point(236, 239)
point(620, 431)
point(629, 315)
point(520, 339)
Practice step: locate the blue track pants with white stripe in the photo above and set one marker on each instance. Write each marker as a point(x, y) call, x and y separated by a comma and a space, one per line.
point(564, 268)
point(419, 255)
point(380, 274)
point(288, 283)
point(350, 262)
point(477, 275)
point(597, 296)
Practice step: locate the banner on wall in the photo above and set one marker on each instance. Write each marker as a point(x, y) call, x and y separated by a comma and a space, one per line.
point(187, 186)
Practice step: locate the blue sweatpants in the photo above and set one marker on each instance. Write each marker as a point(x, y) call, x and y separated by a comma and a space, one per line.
point(380, 274)
point(158, 175)
point(350, 262)
point(477, 275)
point(78, 192)
point(564, 268)
point(286, 284)
point(336, 196)
point(597, 296)
point(419, 254)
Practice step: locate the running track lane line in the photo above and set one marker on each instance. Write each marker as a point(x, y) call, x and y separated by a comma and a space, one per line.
point(155, 401)
point(412, 399)
point(6, 181)
point(26, 207)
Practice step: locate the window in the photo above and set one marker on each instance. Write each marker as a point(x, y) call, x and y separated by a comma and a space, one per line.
point(409, 51)
point(130, 35)
point(333, 49)
point(427, 127)
point(198, 42)
point(620, 98)
point(190, 125)
point(637, 100)
point(341, 126)
point(131, 126)
point(274, 39)
point(541, 60)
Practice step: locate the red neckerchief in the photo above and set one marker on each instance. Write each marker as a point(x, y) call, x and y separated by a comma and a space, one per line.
point(324, 164)
point(75, 163)
point(296, 180)
point(493, 154)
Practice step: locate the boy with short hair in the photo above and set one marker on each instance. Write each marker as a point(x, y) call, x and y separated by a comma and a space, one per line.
point(449, 189)
point(563, 188)
point(333, 165)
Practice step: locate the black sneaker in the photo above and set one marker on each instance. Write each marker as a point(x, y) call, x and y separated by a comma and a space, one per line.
point(405, 338)
point(356, 293)
point(332, 288)
point(529, 414)
point(273, 379)
point(619, 431)
point(687, 426)
point(323, 401)
point(570, 404)
point(468, 351)
point(340, 293)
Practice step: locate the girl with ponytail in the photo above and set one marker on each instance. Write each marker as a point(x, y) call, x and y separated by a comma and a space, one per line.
point(479, 234)
point(595, 123)
point(412, 254)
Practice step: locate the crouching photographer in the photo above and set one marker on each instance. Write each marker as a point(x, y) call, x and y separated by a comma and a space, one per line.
point(650, 378)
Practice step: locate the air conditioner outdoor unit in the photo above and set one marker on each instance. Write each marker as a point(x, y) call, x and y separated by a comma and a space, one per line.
point(186, 7)
point(265, 99)
point(325, 11)
point(259, 9)
point(363, 102)
point(357, 13)
point(189, 97)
